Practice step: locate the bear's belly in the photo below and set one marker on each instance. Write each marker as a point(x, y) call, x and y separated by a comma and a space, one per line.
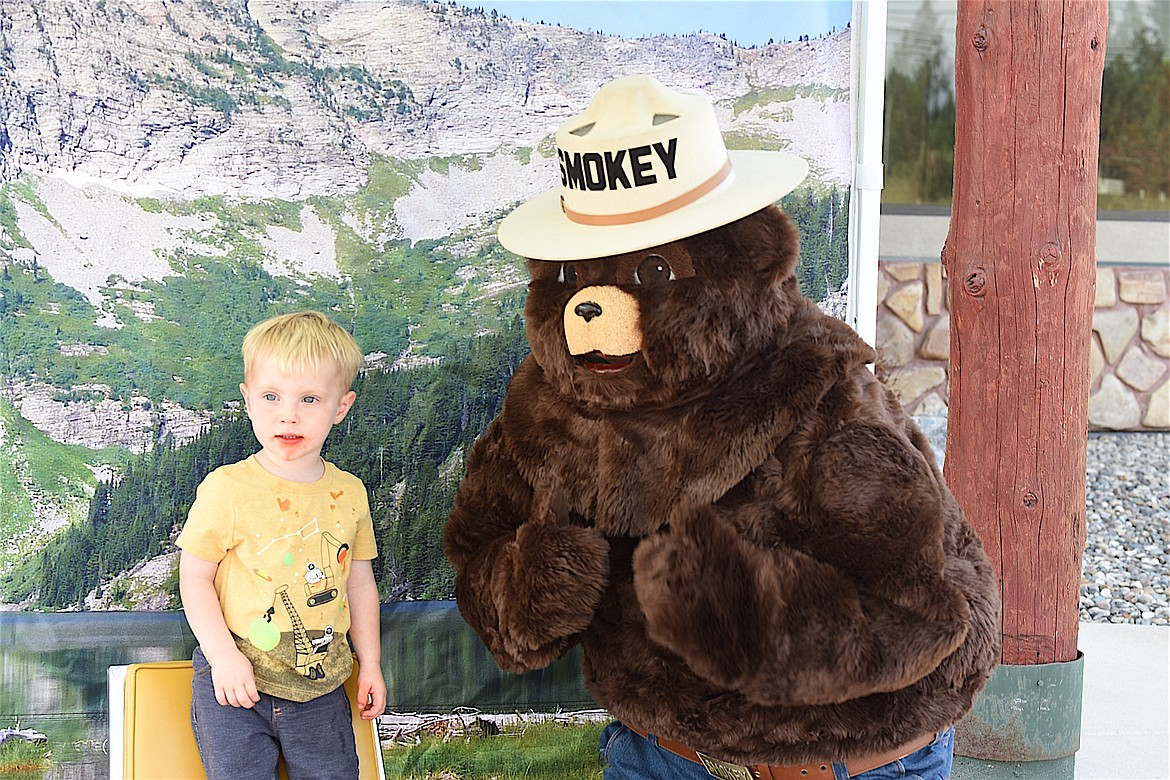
point(645, 685)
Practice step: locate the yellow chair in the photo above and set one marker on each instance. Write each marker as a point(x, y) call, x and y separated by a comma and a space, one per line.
point(150, 725)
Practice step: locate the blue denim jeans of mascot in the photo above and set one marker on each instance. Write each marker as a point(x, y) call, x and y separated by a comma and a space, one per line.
point(316, 736)
point(629, 756)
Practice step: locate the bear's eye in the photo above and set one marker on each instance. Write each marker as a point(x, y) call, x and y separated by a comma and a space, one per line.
point(567, 274)
point(653, 269)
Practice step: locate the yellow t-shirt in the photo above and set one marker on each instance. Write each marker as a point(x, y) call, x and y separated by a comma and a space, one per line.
point(285, 550)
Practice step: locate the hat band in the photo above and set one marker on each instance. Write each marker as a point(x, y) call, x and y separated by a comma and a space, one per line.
point(630, 217)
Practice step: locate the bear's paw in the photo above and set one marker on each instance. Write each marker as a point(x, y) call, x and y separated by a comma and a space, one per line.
point(547, 590)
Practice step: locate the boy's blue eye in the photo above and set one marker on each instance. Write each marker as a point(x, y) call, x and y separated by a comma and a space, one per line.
point(311, 399)
point(269, 396)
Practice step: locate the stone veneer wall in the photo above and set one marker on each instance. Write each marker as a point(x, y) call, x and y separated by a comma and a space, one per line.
point(1130, 357)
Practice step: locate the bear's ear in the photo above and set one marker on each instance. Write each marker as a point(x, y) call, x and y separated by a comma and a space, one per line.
point(764, 245)
point(774, 243)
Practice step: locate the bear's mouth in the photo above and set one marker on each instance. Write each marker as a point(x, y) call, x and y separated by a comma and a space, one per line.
point(599, 363)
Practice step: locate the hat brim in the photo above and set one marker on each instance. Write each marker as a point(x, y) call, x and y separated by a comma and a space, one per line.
point(539, 230)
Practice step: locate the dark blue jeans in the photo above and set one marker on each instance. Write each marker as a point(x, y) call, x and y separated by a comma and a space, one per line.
point(629, 756)
point(238, 743)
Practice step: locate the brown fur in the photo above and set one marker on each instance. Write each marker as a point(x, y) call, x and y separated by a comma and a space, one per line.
point(751, 541)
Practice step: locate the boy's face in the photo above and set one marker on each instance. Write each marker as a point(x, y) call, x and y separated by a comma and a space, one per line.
point(293, 412)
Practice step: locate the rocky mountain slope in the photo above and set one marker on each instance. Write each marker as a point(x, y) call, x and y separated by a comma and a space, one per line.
point(288, 99)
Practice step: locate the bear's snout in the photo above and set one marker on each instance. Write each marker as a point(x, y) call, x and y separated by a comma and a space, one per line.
point(603, 319)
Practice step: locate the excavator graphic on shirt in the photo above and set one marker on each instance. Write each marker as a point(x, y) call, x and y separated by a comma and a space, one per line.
point(320, 588)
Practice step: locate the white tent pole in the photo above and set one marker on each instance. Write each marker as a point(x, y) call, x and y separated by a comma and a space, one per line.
point(869, 71)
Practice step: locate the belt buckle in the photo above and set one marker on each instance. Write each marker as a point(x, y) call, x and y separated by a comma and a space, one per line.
point(724, 770)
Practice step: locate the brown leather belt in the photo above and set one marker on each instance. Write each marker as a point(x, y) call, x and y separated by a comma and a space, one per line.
point(816, 769)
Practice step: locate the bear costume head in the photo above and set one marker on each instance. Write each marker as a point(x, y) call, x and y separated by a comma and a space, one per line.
point(655, 328)
point(642, 169)
point(697, 478)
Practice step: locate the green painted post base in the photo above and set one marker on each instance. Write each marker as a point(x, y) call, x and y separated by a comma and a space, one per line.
point(1025, 724)
point(981, 769)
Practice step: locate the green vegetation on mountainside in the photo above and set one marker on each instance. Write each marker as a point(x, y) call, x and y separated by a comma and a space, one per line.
point(823, 221)
point(16, 509)
point(772, 95)
point(50, 463)
point(186, 349)
point(59, 474)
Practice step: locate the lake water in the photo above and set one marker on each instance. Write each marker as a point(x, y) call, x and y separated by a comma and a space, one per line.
point(53, 672)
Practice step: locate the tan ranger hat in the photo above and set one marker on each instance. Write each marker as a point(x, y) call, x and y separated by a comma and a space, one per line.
point(642, 166)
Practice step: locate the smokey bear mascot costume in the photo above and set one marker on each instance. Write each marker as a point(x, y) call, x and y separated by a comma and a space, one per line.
point(697, 478)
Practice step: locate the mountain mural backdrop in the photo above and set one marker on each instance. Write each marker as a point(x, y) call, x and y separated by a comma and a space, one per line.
point(173, 171)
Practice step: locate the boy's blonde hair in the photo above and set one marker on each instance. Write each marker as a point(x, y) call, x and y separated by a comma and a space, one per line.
point(303, 338)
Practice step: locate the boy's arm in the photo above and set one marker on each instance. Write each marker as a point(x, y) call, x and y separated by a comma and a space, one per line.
point(365, 635)
point(231, 672)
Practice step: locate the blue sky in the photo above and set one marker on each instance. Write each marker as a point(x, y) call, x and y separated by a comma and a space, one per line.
point(747, 22)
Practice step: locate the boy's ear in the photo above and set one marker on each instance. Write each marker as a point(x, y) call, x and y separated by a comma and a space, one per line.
point(344, 406)
point(244, 392)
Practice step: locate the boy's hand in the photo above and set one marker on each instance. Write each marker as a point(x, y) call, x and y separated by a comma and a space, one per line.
point(231, 671)
point(371, 693)
point(366, 638)
point(235, 683)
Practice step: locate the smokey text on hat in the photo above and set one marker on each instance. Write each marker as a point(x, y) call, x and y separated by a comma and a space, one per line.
point(637, 166)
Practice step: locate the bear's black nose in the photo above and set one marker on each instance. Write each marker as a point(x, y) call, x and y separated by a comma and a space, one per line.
point(588, 310)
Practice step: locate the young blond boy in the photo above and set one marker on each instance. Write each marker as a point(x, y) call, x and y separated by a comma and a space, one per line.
point(275, 570)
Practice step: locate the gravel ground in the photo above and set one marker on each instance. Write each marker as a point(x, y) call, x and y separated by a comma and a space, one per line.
point(1126, 563)
point(1126, 566)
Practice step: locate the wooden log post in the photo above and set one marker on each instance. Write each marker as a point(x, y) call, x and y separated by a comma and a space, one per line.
point(1020, 260)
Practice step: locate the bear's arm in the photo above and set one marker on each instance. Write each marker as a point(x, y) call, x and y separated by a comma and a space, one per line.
point(869, 607)
point(525, 580)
